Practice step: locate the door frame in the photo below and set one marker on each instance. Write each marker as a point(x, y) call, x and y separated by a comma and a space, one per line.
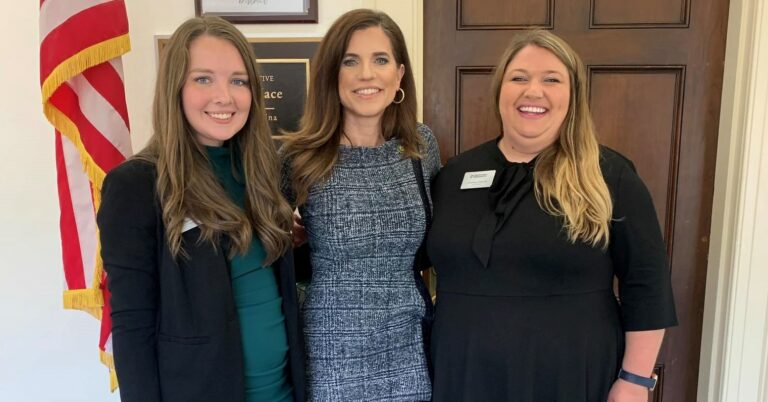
point(734, 358)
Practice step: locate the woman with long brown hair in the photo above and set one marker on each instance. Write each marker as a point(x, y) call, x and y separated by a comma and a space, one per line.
point(195, 237)
point(529, 231)
point(357, 169)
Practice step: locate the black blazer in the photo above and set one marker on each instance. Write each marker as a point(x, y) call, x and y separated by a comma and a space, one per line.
point(175, 331)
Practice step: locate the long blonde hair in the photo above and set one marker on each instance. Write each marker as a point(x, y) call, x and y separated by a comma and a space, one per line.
point(567, 176)
point(186, 185)
point(313, 149)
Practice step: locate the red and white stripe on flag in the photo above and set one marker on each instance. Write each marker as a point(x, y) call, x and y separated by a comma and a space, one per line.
point(81, 79)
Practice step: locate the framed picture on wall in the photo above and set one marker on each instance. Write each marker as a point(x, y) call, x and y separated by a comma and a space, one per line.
point(284, 65)
point(260, 11)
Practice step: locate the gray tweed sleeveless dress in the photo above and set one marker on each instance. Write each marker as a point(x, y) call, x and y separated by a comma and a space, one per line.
point(362, 313)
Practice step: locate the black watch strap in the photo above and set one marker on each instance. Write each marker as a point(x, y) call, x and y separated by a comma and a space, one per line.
point(646, 382)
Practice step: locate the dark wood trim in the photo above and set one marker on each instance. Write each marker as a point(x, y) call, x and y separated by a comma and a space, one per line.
point(460, 71)
point(658, 394)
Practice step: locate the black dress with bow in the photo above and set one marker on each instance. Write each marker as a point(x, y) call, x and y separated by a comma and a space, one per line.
point(522, 313)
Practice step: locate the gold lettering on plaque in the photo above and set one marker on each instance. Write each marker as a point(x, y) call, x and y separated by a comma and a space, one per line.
point(273, 94)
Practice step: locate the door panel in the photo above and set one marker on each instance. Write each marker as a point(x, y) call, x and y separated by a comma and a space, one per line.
point(491, 14)
point(643, 123)
point(475, 120)
point(655, 70)
point(630, 13)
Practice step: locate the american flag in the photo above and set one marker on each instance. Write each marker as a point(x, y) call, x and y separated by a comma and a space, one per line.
point(81, 79)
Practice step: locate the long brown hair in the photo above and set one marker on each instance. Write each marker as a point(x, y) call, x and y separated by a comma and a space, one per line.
point(186, 185)
point(568, 180)
point(313, 149)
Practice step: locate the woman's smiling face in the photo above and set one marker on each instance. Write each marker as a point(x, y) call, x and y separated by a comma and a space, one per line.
point(369, 75)
point(534, 98)
point(216, 96)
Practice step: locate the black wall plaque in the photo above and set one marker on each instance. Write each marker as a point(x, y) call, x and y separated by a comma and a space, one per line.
point(284, 65)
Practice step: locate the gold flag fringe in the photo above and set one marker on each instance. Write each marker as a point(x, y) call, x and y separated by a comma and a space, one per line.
point(83, 60)
point(68, 129)
point(88, 300)
point(108, 360)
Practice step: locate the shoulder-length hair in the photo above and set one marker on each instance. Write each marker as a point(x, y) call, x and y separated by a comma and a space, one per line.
point(567, 176)
point(313, 149)
point(186, 185)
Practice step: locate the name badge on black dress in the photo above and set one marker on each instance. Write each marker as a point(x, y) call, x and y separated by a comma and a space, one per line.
point(480, 179)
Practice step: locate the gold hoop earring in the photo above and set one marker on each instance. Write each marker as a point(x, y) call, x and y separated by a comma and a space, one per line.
point(402, 98)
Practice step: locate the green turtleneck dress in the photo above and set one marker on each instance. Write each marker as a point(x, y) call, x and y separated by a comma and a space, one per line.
point(259, 305)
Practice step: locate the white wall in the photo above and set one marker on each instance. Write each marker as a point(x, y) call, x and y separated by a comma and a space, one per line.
point(47, 353)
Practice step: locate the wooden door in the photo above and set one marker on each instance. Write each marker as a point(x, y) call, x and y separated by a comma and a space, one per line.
point(655, 69)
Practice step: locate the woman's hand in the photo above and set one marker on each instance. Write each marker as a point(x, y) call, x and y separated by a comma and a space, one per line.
point(623, 391)
point(299, 233)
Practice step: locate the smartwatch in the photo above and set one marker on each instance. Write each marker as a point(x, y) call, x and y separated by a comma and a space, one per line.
point(647, 382)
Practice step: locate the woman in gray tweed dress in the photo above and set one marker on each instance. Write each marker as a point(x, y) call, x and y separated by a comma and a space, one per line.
point(349, 170)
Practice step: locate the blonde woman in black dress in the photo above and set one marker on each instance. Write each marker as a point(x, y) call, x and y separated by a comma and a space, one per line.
point(529, 231)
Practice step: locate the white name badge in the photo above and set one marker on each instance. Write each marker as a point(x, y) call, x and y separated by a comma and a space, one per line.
point(188, 224)
point(482, 179)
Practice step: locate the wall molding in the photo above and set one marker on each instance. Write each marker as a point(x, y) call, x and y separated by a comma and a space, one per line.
point(734, 358)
